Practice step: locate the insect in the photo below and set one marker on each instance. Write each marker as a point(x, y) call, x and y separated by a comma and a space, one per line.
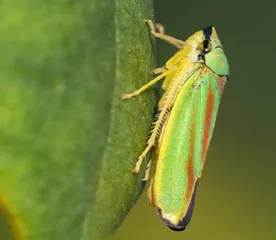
point(194, 79)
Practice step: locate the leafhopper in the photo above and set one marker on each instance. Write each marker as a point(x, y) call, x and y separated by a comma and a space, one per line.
point(194, 79)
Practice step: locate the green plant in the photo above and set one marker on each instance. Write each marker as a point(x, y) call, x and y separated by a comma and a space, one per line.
point(67, 140)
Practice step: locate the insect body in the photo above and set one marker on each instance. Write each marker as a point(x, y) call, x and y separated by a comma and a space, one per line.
point(194, 81)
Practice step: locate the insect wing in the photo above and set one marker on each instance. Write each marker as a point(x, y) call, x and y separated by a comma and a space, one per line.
point(183, 148)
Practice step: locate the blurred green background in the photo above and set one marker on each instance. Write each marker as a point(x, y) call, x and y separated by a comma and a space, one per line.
point(236, 197)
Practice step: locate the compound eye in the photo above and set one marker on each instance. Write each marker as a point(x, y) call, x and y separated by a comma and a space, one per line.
point(201, 57)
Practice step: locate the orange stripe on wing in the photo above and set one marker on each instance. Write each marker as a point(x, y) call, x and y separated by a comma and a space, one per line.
point(221, 81)
point(207, 123)
point(152, 197)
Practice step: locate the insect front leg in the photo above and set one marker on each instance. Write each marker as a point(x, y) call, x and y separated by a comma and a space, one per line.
point(157, 71)
point(161, 34)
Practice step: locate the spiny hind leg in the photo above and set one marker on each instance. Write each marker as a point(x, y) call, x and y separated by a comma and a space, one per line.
point(142, 157)
point(150, 143)
point(146, 86)
point(161, 34)
point(147, 174)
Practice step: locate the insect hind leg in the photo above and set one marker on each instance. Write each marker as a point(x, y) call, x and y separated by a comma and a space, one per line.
point(157, 129)
point(147, 174)
point(141, 158)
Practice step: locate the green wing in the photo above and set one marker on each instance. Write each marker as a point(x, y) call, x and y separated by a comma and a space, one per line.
point(183, 148)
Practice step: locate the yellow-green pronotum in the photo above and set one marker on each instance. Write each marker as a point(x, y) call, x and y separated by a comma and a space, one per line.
point(194, 80)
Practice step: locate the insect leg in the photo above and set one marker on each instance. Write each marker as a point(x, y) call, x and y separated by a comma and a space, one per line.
point(143, 88)
point(176, 42)
point(160, 28)
point(157, 71)
point(152, 140)
point(143, 156)
point(147, 174)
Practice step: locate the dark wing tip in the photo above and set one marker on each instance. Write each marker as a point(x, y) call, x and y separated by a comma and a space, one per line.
point(177, 229)
point(187, 218)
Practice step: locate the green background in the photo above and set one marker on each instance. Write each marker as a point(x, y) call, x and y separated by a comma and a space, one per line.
point(236, 197)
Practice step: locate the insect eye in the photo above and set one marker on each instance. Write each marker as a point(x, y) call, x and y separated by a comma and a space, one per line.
point(201, 57)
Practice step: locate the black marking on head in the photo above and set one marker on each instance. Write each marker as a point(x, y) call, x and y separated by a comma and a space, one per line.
point(187, 218)
point(205, 46)
point(208, 32)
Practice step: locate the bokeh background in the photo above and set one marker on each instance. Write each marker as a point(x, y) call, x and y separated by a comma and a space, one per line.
point(236, 197)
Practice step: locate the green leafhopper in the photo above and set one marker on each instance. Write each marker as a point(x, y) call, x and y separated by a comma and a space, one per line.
point(194, 79)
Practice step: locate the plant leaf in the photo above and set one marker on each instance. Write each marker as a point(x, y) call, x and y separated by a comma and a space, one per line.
point(130, 120)
point(67, 139)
